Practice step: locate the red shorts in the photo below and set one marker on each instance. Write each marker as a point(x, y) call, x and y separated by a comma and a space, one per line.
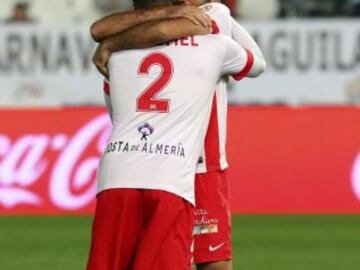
point(141, 230)
point(212, 231)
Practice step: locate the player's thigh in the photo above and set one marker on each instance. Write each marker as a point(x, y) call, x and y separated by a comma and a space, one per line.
point(116, 227)
point(167, 235)
point(212, 228)
point(222, 265)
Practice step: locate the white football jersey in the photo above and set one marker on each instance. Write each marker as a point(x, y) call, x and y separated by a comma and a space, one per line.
point(213, 156)
point(161, 100)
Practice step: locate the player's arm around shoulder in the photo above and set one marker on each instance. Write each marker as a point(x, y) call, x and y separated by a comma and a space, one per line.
point(240, 62)
point(255, 64)
point(120, 21)
point(258, 65)
point(145, 35)
point(213, 8)
point(243, 38)
point(220, 15)
point(229, 26)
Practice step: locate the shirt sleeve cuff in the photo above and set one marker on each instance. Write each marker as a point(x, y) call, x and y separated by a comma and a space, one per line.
point(249, 64)
point(214, 28)
point(106, 88)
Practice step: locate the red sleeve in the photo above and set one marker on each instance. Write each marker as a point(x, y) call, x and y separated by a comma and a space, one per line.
point(249, 64)
point(106, 88)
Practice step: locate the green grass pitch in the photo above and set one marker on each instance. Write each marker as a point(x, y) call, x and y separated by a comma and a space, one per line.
point(260, 243)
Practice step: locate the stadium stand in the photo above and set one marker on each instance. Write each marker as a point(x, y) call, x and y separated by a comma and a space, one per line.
point(65, 11)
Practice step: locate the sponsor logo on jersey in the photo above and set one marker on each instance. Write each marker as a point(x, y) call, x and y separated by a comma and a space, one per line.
point(201, 160)
point(146, 130)
point(146, 147)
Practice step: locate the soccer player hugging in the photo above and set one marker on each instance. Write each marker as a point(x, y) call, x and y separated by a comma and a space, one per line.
point(168, 107)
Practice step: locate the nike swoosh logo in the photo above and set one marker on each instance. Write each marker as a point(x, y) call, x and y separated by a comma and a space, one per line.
point(212, 249)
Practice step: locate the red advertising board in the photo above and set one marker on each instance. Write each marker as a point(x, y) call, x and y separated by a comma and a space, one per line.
point(300, 160)
point(282, 160)
point(48, 159)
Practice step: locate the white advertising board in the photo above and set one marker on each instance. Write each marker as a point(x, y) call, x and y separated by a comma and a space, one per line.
point(309, 62)
point(47, 66)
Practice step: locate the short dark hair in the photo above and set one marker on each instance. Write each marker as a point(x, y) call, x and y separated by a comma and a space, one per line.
point(151, 3)
point(21, 5)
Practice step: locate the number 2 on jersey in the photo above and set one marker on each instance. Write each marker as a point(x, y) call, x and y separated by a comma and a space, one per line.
point(147, 101)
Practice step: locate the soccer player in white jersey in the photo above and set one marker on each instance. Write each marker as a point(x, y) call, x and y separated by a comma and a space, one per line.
point(212, 239)
point(207, 254)
point(161, 101)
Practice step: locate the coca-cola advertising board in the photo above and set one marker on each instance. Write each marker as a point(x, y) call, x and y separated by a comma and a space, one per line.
point(48, 159)
point(282, 160)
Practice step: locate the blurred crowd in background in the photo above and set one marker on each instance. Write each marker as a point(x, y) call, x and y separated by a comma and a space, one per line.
point(70, 11)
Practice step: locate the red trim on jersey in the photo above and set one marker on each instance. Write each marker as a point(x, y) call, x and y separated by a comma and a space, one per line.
point(214, 27)
point(249, 64)
point(212, 140)
point(106, 88)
